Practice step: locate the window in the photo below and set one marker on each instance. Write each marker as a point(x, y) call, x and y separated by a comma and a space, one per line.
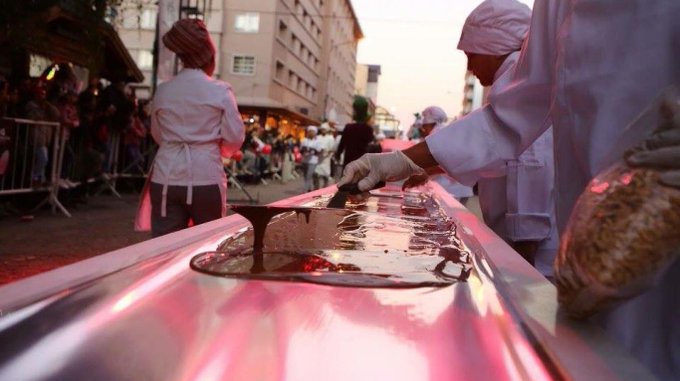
point(279, 70)
point(145, 59)
point(148, 19)
point(283, 30)
point(297, 45)
point(292, 79)
point(243, 65)
point(247, 23)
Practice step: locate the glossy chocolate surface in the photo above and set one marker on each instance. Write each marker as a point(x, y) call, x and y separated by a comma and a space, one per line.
point(380, 241)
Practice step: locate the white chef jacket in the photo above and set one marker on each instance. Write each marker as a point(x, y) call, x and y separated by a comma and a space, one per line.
point(311, 144)
point(191, 116)
point(588, 67)
point(327, 144)
point(518, 204)
point(453, 187)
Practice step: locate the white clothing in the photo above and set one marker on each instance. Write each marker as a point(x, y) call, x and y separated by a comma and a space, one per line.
point(313, 146)
point(327, 144)
point(313, 129)
point(453, 187)
point(434, 114)
point(519, 205)
point(495, 27)
point(456, 189)
point(588, 67)
point(191, 116)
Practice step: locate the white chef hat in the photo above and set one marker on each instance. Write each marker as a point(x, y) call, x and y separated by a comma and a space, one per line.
point(433, 114)
point(325, 126)
point(495, 27)
point(312, 129)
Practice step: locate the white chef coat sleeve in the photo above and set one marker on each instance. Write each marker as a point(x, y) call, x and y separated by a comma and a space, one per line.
point(517, 112)
point(529, 191)
point(232, 130)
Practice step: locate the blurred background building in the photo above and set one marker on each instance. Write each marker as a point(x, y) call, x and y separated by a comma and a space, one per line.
point(473, 94)
point(290, 62)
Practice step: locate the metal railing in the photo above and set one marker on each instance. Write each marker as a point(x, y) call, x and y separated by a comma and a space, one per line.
point(34, 153)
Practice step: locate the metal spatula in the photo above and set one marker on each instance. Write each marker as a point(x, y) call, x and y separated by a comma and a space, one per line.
point(340, 198)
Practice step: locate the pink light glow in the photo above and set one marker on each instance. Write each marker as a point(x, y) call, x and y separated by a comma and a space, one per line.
point(599, 188)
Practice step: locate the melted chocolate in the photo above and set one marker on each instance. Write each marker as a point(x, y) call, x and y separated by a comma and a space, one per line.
point(259, 217)
point(377, 242)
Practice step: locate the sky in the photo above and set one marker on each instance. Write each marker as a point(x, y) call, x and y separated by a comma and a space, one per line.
point(414, 42)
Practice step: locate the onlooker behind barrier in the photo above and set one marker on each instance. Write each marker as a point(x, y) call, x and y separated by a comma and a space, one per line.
point(42, 110)
point(133, 137)
point(67, 106)
point(89, 160)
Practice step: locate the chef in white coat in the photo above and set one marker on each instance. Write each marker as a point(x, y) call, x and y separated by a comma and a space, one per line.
point(310, 147)
point(322, 172)
point(588, 67)
point(192, 116)
point(517, 200)
point(433, 119)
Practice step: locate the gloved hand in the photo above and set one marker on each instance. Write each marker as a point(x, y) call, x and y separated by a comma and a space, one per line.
point(372, 168)
point(662, 150)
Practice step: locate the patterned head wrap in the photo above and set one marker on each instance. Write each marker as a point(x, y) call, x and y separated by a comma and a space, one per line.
point(190, 40)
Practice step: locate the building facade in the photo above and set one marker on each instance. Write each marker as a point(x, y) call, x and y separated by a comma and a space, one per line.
point(290, 62)
point(135, 21)
point(473, 94)
point(367, 80)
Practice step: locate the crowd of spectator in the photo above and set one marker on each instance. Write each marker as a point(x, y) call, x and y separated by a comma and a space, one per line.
point(89, 119)
point(92, 115)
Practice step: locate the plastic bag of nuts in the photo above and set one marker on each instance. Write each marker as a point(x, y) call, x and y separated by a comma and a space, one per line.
point(623, 233)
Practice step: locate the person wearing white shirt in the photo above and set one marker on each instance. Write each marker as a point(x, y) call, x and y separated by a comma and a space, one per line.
point(588, 67)
point(194, 119)
point(322, 172)
point(433, 119)
point(310, 148)
point(517, 200)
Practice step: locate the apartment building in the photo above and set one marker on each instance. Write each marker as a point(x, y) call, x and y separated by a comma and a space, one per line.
point(137, 29)
point(367, 80)
point(341, 33)
point(290, 62)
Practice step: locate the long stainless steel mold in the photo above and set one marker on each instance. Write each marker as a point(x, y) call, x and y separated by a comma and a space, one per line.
point(141, 313)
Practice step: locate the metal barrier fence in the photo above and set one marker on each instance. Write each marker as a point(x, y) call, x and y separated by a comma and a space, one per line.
point(126, 161)
point(41, 156)
point(32, 154)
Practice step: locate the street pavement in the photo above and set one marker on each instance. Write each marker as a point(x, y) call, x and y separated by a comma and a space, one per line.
point(104, 224)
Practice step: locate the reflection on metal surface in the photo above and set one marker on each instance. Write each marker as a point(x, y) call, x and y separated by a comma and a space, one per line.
point(159, 320)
